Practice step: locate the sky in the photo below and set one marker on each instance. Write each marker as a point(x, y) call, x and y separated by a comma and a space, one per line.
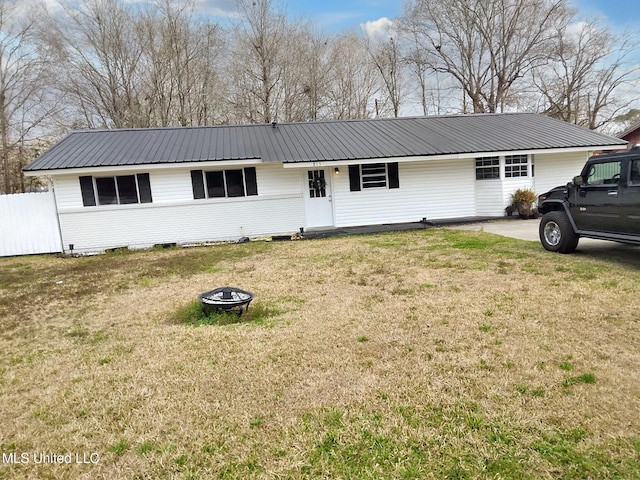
point(619, 13)
point(335, 16)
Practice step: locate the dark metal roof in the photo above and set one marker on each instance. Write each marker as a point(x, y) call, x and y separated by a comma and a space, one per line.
point(319, 141)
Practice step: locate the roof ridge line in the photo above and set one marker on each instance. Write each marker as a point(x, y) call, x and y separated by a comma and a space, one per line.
point(309, 122)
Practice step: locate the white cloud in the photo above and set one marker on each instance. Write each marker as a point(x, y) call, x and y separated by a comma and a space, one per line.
point(377, 28)
point(30, 6)
point(576, 28)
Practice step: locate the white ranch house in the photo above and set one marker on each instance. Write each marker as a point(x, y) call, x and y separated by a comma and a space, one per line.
point(140, 187)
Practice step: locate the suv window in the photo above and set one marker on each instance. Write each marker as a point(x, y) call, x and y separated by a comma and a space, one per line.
point(635, 172)
point(605, 173)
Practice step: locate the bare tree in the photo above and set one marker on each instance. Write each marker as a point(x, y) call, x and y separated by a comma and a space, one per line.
point(585, 69)
point(419, 70)
point(103, 53)
point(181, 78)
point(27, 99)
point(257, 72)
point(304, 74)
point(485, 45)
point(388, 60)
point(353, 79)
point(141, 65)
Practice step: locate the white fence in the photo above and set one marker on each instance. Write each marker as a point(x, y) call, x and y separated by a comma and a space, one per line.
point(28, 224)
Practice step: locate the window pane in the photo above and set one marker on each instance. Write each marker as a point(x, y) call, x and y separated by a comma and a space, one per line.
point(487, 173)
point(515, 171)
point(374, 175)
point(144, 188)
point(235, 183)
point(317, 184)
point(375, 169)
point(354, 178)
point(106, 187)
point(515, 159)
point(487, 168)
point(635, 172)
point(86, 187)
point(515, 166)
point(604, 173)
point(215, 184)
point(487, 162)
point(127, 189)
point(394, 179)
point(251, 181)
point(198, 184)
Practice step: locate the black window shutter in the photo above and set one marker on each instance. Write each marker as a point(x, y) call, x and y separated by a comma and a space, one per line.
point(198, 184)
point(251, 183)
point(144, 188)
point(88, 196)
point(394, 179)
point(354, 178)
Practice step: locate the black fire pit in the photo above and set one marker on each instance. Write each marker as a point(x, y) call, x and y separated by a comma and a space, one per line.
point(226, 299)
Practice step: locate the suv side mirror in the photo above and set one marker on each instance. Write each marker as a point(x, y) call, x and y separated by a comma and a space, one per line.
point(578, 180)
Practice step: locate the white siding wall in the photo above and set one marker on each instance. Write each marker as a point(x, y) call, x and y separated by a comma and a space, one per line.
point(434, 190)
point(489, 198)
point(174, 217)
point(275, 180)
point(431, 189)
point(171, 186)
point(448, 188)
point(67, 190)
point(510, 185)
point(557, 169)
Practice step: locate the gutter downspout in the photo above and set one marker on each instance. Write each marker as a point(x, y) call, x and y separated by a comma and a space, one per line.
point(55, 202)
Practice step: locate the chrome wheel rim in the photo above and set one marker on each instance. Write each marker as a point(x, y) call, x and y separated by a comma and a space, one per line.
point(552, 233)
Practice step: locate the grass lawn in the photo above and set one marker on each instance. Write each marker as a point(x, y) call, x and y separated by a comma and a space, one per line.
point(427, 354)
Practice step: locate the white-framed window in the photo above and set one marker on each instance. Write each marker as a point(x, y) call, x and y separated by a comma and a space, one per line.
point(488, 168)
point(516, 166)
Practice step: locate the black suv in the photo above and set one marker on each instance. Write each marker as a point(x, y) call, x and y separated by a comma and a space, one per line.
point(603, 202)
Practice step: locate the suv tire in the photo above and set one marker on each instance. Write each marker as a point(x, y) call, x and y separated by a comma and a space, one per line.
point(556, 233)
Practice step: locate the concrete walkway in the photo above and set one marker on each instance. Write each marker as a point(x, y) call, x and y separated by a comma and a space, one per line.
point(391, 227)
point(520, 229)
point(528, 230)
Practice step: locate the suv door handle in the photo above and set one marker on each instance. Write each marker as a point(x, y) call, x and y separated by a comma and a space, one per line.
point(613, 193)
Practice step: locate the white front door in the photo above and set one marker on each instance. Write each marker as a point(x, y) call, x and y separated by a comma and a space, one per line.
point(317, 196)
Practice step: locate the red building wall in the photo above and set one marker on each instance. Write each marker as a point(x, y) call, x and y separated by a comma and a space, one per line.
point(633, 137)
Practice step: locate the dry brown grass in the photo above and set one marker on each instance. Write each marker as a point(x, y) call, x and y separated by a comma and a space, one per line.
point(410, 355)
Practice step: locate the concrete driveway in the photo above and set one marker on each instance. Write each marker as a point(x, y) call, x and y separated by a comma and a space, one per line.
point(520, 229)
point(528, 230)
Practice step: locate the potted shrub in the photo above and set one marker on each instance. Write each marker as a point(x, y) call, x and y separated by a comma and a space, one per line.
point(524, 201)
